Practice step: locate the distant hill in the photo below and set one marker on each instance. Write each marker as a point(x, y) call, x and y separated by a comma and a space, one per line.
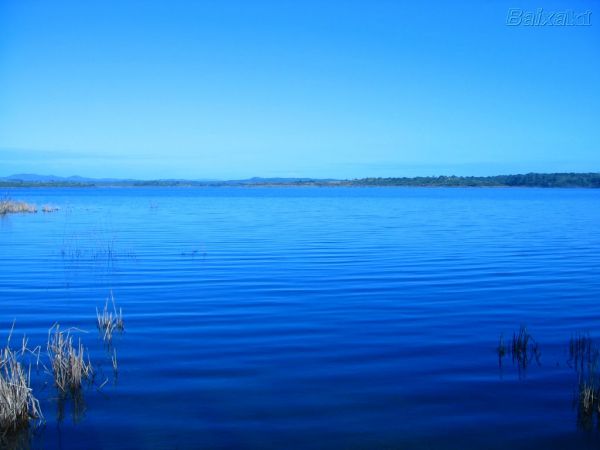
point(32, 177)
point(545, 180)
point(35, 178)
point(32, 180)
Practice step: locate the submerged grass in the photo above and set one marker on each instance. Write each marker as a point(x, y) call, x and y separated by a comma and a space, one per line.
point(69, 365)
point(523, 348)
point(588, 398)
point(584, 358)
point(582, 351)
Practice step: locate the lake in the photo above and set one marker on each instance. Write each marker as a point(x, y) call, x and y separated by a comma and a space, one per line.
point(270, 318)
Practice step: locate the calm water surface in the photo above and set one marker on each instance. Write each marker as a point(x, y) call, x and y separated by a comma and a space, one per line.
point(310, 318)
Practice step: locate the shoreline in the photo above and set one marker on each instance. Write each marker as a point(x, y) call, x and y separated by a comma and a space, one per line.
point(287, 186)
point(589, 180)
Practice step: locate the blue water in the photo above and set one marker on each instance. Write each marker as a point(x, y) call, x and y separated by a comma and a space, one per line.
point(309, 317)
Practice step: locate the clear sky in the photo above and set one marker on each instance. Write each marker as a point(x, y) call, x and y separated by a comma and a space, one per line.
point(233, 89)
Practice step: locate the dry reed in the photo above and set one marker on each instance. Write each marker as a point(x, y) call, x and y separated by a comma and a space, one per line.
point(588, 398)
point(109, 321)
point(17, 403)
point(113, 359)
point(69, 365)
point(584, 357)
point(8, 206)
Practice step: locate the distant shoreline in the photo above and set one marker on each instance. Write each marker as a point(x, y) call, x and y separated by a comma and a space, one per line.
point(534, 180)
point(284, 186)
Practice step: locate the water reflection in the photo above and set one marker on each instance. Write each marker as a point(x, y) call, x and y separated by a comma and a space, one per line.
point(583, 354)
point(74, 402)
point(98, 250)
point(20, 439)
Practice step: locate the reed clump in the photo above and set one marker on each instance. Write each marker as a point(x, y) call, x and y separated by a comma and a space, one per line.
point(8, 206)
point(501, 349)
point(109, 321)
point(49, 208)
point(68, 361)
point(17, 403)
point(588, 398)
point(582, 352)
point(524, 348)
point(584, 357)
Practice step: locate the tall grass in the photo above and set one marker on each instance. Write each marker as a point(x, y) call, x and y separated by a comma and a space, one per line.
point(17, 403)
point(109, 321)
point(69, 365)
point(8, 206)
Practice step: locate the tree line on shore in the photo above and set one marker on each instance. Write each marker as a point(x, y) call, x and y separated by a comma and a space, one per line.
point(543, 180)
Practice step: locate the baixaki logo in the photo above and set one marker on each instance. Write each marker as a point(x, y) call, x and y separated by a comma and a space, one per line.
point(540, 18)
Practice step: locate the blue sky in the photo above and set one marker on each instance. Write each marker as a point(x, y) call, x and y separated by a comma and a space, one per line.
point(233, 89)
